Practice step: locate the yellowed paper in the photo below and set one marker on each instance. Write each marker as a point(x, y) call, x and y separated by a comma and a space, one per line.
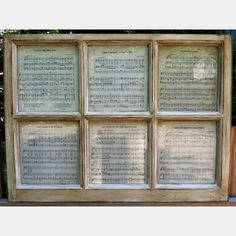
point(118, 152)
point(186, 152)
point(118, 78)
point(48, 79)
point(49, 152)
point(188, 78)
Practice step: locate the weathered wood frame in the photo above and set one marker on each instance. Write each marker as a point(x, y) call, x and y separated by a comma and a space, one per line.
point(216, 192)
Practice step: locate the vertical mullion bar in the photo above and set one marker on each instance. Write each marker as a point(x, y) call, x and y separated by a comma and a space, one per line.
point(84, 109)
point(154, 110)
point(81, 110)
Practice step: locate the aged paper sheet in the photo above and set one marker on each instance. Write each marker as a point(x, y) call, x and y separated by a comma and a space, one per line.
point(118, 152)
point(48, 78)
point(118, 78)
point(186, 152)
point(49, 152)
point(188, 78)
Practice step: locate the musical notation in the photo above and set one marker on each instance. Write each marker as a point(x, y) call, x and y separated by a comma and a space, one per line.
point(188, 78)
point(49, 153)
point(48, 79)
point(118, 78)
point(118, 153)
point(187, 152)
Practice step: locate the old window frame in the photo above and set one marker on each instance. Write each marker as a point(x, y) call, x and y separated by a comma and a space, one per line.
point(20, 193)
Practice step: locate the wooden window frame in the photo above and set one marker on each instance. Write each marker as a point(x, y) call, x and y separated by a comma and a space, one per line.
point(16, 193)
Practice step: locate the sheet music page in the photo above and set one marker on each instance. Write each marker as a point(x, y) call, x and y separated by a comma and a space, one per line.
point(48, 78)
point(187, 152)
point(118, 78)
point(118, 152)
point(49, 152)
point(188, 78)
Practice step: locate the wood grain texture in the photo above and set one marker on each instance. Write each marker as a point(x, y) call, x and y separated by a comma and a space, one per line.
point(231, 202)
point(8, 103)
point(132, 195)
point(65, 38)
point(226, 129)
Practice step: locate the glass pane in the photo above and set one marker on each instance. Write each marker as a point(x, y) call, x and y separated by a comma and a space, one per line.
point(49, 152)
point(118, 152)
point(48, 79)
point(188, 78)
point(187, 152)
point(118, 78)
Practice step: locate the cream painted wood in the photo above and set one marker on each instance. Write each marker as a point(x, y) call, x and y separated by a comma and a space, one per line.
point(154, 193)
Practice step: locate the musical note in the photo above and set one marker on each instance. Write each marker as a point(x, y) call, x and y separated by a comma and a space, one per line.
point(48, 78)
point(118, 153)
point(187, 152)
point(188, 78)
point(49, 153)
point(118, 81)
